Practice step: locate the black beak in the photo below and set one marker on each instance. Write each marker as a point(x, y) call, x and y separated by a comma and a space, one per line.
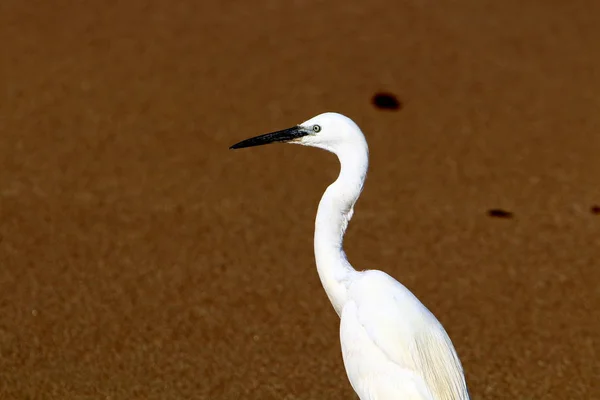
point(280, 136)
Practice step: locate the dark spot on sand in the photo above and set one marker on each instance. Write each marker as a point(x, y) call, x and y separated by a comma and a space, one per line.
point(386, 101)
point(499, 213)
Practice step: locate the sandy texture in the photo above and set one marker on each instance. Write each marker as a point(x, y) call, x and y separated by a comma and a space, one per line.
point(140, 258)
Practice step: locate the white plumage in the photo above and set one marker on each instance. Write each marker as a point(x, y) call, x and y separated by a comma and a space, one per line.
point(393, 347)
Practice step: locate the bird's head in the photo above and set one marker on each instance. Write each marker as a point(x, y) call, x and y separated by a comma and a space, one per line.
point(329, 131)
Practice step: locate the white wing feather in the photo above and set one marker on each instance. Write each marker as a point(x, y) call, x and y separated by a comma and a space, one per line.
point(393, 347)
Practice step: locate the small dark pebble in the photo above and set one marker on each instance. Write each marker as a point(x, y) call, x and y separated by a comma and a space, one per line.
point(595, 210)
point(386, 101)
point(498, 213)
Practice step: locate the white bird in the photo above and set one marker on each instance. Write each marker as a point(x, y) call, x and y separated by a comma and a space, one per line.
point(393, 347)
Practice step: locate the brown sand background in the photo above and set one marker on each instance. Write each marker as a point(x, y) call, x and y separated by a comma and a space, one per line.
point(140, 258)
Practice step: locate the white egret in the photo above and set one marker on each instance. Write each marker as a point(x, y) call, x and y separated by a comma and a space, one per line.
point(393, 347)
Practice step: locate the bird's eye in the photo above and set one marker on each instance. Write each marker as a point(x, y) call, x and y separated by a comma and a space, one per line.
point(316, 128)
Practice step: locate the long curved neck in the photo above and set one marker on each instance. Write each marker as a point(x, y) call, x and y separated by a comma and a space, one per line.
point(335, 211)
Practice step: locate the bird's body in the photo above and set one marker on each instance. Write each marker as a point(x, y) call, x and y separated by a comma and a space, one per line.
point(393, 347)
